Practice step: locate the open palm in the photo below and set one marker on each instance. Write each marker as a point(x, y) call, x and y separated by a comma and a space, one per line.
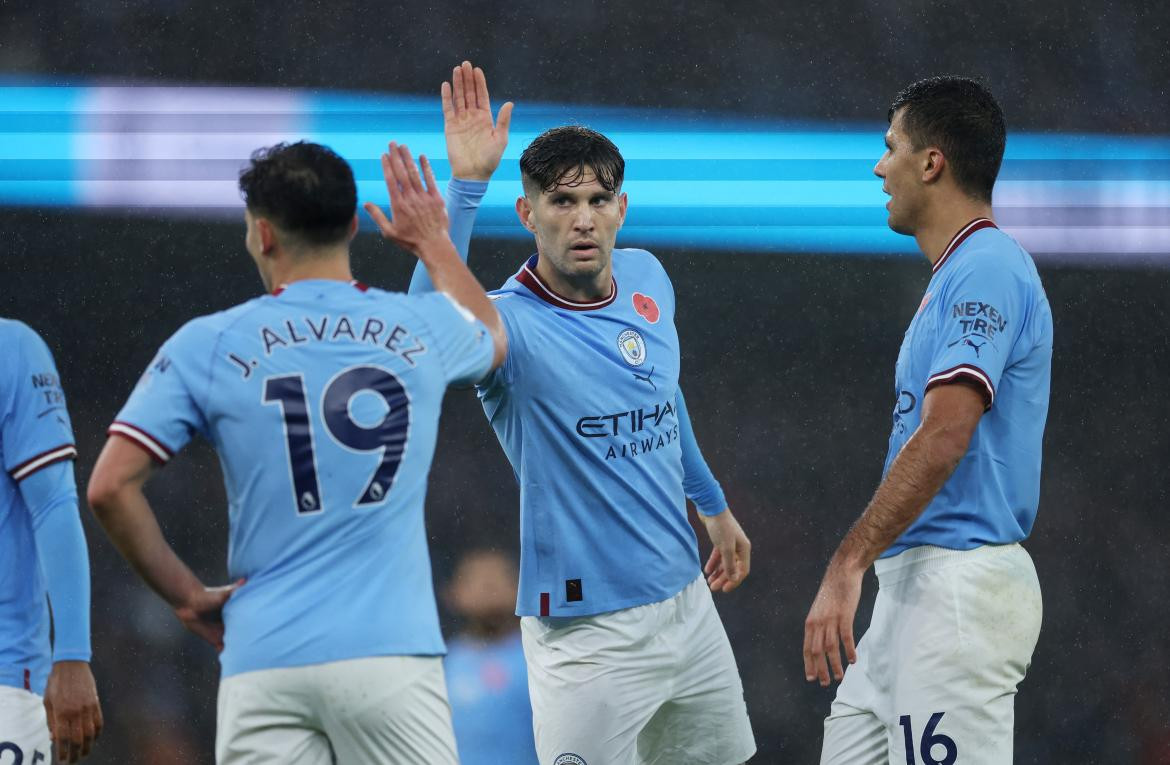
point(475, 142)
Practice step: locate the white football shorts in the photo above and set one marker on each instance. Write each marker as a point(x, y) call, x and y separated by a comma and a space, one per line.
point(935, 681)
point(24, 729)
point(654, 684)
point(383, 709)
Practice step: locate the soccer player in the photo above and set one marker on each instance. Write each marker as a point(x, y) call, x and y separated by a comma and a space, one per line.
point(42, 553)
point(628, 660)
point(322, 399)
point(487, 679)
point(957, 614)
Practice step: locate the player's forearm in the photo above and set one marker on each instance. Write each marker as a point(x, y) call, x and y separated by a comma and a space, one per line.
point(918, 473)
point(65, 561)
point(128, 520)
point(52, 497)
point(463, 198)
point(449, 274)
point(699, 482)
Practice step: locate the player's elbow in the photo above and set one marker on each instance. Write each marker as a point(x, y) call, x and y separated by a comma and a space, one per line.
point(949, 443)
point(103, 492)
point(117, 477)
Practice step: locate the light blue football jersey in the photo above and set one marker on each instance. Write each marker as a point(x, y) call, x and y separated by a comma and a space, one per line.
point(35, 433)
point(487, 683)
point(322, 401)
point(984, 320)
point(585, 407)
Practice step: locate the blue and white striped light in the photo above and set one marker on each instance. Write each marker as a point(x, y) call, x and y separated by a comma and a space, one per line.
point(694, 180)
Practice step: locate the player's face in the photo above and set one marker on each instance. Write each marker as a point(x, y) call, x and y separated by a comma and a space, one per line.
point(900, 171)
point(484, 587)
point(575, 225)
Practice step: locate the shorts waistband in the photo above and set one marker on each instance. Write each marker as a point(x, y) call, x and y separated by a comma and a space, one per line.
point(919, 560)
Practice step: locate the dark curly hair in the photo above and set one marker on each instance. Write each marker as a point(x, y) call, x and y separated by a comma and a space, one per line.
point(562, 156)
point(960, 116)
point(304, 188)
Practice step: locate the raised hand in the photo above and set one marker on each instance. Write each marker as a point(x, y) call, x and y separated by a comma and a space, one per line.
point(474, 143)
point(202, 613)
point(418, 214)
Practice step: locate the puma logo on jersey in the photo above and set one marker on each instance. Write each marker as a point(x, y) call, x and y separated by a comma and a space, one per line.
point(646, 378)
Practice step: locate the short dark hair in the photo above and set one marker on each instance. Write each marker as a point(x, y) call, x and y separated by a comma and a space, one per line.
point(305, 188)
point(563, 154)
point(961, 117)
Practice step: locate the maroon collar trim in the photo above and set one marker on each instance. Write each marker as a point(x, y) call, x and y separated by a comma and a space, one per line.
point(528, 277)
point(966, 231)
point(353, 283)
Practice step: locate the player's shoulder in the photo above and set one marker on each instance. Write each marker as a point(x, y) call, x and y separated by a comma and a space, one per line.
point(995, 248)
point(202, 332)
point(513, 296)
point(15, 333)
point(24, 341)
point(640, 270)
point(383, 297)
point(636, 259)
point(379, 295)
point(427, 306)
point(993, 256)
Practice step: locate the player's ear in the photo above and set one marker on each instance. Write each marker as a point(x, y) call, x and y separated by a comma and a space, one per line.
point(268, 238)
point(623, 205)
point(933, 164)
point(524, 212)
point(353, 228)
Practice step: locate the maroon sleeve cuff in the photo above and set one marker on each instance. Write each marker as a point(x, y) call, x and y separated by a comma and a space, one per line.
point(969, 374)
point(44, 459)
point(148, 443)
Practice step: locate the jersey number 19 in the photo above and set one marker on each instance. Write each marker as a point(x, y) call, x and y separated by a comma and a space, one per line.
point(388, 436)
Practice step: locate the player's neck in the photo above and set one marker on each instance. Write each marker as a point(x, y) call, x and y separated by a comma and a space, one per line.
point(946, 221)
point(583, 290)
point(332, 266)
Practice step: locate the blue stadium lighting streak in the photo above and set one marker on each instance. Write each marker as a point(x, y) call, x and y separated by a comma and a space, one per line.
point(694, 179)
point(37, 129)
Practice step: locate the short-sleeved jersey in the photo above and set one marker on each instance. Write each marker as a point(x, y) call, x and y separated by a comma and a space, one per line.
point(34, 432)
point(584, 407)
point(322, 401)
point(487, 683)
point(984, 320)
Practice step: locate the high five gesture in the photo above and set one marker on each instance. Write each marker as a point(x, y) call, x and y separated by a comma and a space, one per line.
point(474, 142)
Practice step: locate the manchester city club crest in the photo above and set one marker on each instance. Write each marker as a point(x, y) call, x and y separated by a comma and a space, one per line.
point(568, 758)
point(632, 347)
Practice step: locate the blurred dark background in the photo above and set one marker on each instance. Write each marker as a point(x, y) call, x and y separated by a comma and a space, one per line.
point(788, 360)
point(1092, 65)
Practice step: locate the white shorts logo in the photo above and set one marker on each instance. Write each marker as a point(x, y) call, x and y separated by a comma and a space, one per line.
point(569, 759)
point(633, 350)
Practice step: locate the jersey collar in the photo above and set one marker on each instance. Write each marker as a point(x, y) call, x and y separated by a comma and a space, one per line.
point(959, 238)
point(353, 283)
point(529, 278)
